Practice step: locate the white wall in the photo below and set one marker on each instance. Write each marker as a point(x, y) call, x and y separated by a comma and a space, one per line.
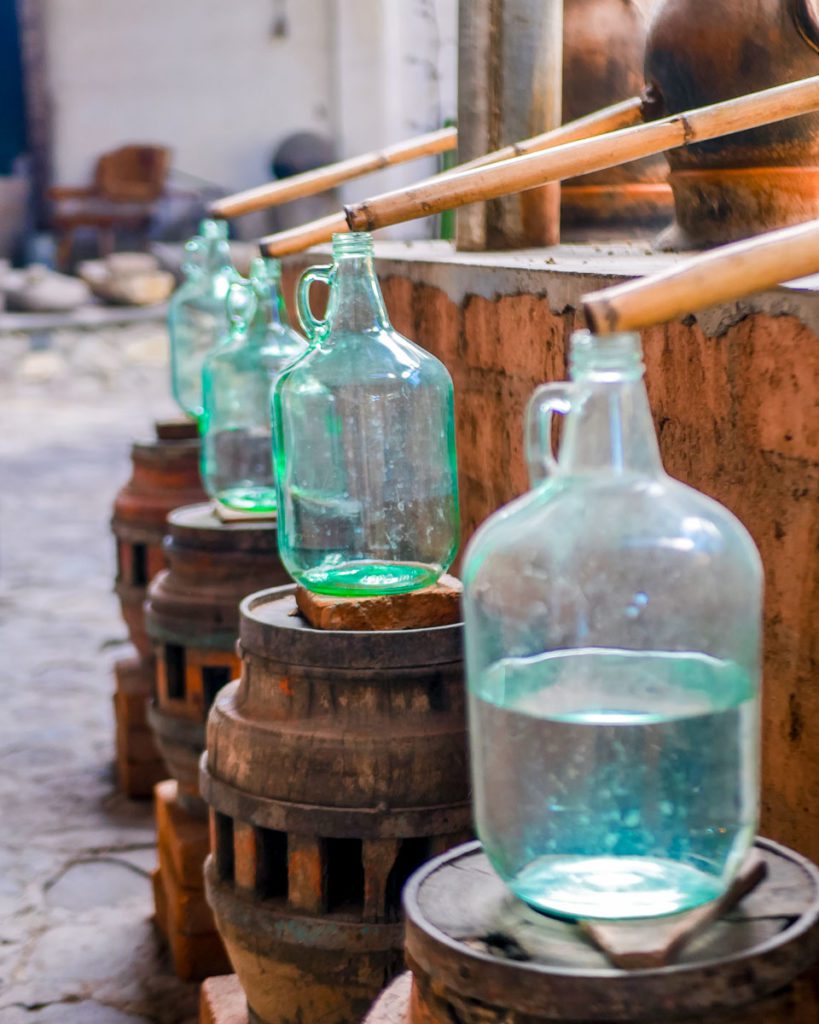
point(396, 64)
point(201, 76)
point(206, 78)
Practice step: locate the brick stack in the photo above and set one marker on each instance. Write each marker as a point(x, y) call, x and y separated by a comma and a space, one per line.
point(182, 914)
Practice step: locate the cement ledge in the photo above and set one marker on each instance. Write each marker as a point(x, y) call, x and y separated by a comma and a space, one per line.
point(563, 274)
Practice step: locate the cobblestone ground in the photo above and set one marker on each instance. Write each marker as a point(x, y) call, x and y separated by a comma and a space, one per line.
point(76, 942)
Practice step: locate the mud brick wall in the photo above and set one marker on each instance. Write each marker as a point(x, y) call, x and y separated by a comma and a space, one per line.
point(734, 397)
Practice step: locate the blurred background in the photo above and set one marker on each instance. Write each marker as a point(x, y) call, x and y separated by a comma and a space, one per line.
point(160, 107)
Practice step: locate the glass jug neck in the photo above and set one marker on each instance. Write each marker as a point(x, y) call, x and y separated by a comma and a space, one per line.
point(356, 304)
point(270, 310)
point(273, 309)
point(609, 427)
point(217, 257)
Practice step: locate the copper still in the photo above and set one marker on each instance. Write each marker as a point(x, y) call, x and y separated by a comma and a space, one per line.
point(704, 51)
point(603, 53)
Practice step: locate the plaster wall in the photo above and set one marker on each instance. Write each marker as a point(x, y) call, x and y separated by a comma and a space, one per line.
point(211, 80)
point(396, 77)
point(223, 84)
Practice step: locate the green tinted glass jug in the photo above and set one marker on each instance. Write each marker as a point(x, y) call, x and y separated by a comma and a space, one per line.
point(365, 444)
point(237, 449)
point(613, 654)
point(197, 316)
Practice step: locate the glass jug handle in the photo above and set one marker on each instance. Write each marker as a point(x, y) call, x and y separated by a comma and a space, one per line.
point(548, 400)
point(241, 305)
point(312, 326)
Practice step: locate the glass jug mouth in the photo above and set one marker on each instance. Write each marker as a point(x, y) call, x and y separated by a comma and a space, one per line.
point(620, 355)
point(353, 243)
point(217, 229)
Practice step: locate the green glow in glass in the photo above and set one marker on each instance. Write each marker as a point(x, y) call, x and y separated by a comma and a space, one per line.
point(365, 444)
point(237, 450)
point(613, 620)
point(197, 316)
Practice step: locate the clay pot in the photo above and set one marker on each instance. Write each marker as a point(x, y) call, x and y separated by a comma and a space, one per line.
point(705, 51)
point(603, 54)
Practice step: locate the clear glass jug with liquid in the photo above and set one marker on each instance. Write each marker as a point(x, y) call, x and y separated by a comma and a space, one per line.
point(237, 377)
point(613, 652)
point(197, 315)
point(365, 444)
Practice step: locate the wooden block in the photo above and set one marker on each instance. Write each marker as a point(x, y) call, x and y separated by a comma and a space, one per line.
point(378, 856)
point(156, 560)
point(184, 836)
point(137, 779)
point(134, 677)
point(139, 764)
point(641, 945)
point(222, 1001)
point(160, 903)
point(438, 605)
point(130, 710)
point(306, 874)
point(187, 910)
point(244, 855)
point(192, 704)
point(137, 744)
point(194, 956)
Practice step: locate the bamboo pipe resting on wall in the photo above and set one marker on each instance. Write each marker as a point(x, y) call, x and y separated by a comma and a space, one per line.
point(723, 275)
point(323, 178)
point(619, 115)
point(595, 154)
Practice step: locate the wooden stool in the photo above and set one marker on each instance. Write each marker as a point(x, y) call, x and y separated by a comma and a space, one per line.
point(334, 768)
point(164, 474)
point(222, 1001)
point(183, 916)
point(192, 618)
point(139, 765)
point(479, 956)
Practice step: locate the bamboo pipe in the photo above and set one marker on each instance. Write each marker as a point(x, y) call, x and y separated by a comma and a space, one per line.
point(619, 115)
point(283, 243)
point(322, 178)
point(583, 157)
point(722, 275)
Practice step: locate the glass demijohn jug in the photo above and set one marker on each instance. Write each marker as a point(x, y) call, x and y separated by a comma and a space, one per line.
point(613, 653)
point(237, 449)
point(365, 444)
point(197, 317)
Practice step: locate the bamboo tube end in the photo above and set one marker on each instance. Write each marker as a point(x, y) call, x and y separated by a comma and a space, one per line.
point(218, 209)
point(358, 217)
point(601, 316)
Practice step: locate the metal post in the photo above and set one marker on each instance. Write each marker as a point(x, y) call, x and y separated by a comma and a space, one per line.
point(510, 72)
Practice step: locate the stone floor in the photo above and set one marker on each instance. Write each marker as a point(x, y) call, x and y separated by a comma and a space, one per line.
point(76, 941)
